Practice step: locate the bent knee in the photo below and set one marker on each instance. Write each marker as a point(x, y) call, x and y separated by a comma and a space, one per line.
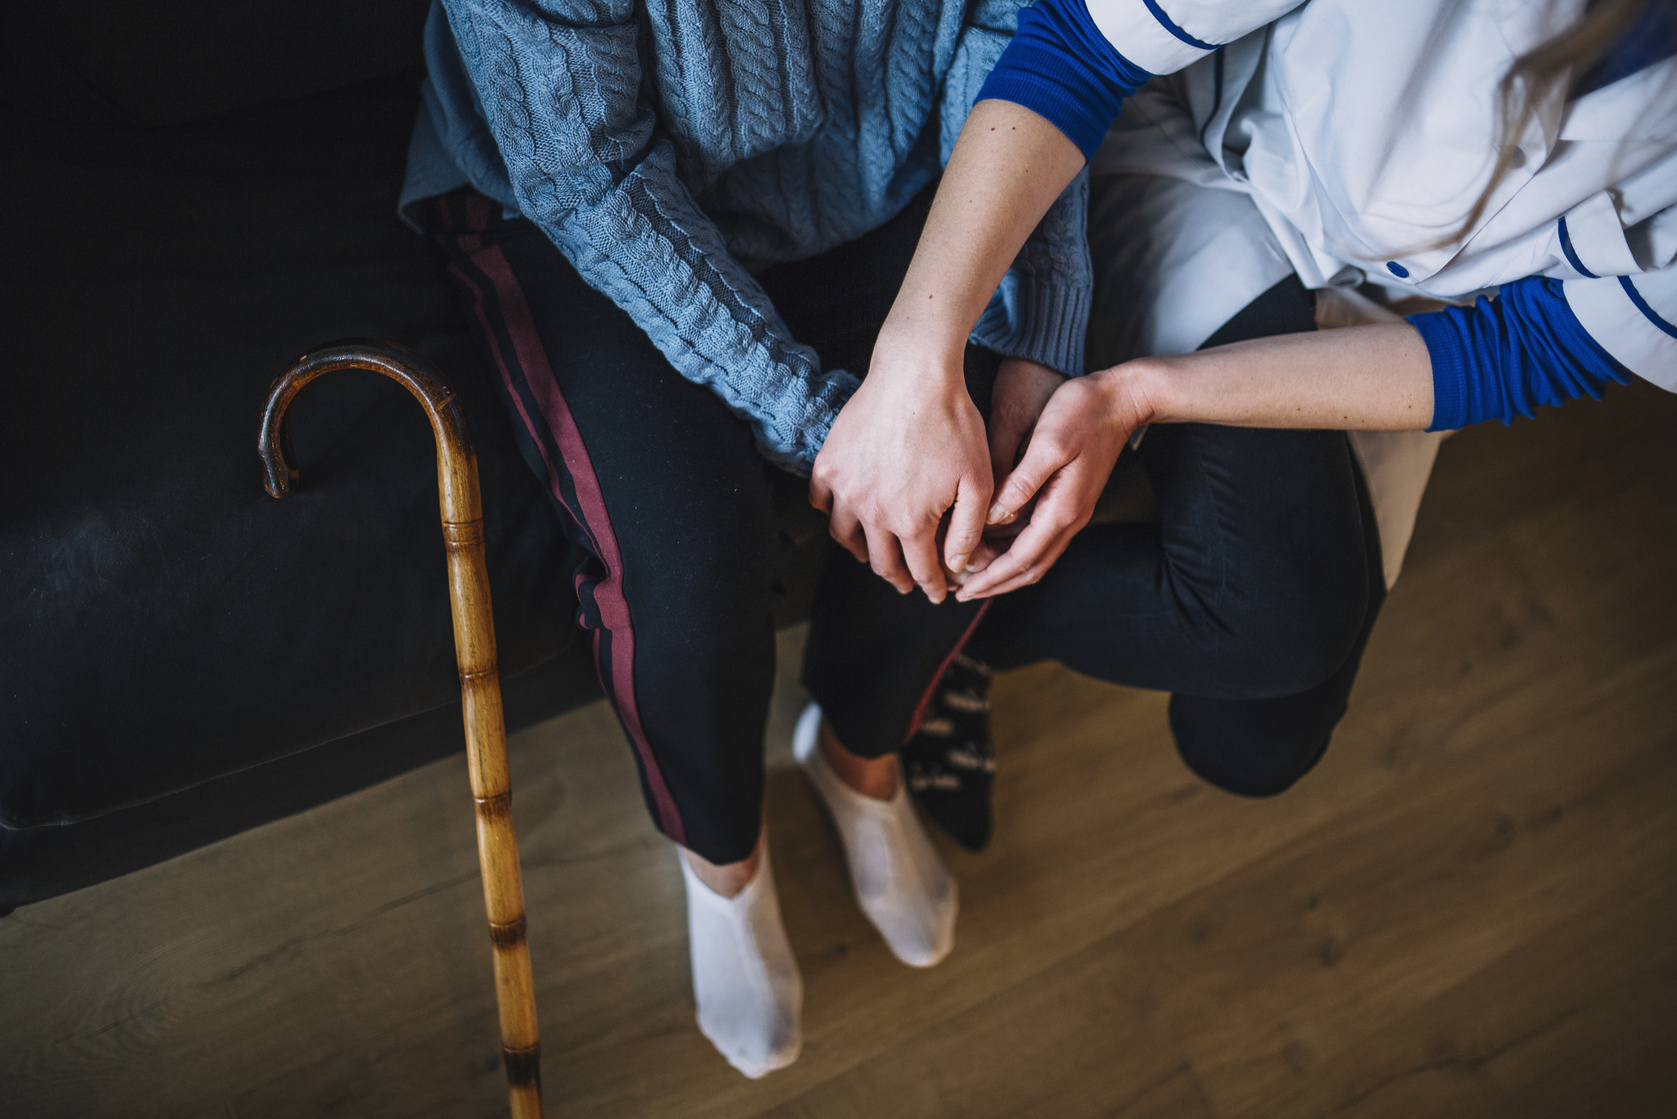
point(1253, 748)
point(1277, 640)
point(1243, 778)
point(1304, 653)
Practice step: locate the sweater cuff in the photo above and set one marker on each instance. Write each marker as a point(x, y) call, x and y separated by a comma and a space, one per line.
point(1044, 323)
point(793, 437)
point(1062, 68)
point(1449, 354)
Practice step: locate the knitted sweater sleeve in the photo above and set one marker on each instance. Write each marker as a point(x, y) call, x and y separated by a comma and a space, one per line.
point(559, 83)
point(1041, 310)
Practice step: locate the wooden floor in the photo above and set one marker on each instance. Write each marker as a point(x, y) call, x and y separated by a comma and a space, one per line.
point(1469, 909)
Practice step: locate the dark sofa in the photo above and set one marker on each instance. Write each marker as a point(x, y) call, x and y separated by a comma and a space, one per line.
point(195, 194)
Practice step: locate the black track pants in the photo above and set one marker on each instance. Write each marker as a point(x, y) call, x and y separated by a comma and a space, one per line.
point(665, 501)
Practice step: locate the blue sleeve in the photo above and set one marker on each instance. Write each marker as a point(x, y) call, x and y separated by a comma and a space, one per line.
point(1506, 356)
point(1061, 67)
point(560, 89)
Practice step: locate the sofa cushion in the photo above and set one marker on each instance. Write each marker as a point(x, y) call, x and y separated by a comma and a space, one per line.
point(168, 61)
point(163, 621)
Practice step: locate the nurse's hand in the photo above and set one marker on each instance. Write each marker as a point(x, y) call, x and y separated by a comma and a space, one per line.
point(1070, 457)
point(908, 447)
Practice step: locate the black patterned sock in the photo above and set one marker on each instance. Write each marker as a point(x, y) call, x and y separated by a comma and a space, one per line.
point(950, 764)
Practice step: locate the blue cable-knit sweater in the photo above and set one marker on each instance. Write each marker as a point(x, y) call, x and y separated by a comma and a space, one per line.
point(670, 148)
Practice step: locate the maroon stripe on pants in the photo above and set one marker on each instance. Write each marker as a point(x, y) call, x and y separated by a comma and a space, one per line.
point(531, 357)
point(471, 245)
point(919, 715)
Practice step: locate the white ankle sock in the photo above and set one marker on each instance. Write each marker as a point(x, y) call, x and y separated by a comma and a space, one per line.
point(745, 979)
point(901, 883)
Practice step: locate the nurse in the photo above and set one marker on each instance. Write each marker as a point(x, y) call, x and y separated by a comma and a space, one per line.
point(1519, 160)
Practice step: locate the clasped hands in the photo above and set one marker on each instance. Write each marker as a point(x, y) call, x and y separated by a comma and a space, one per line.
point(915, 485)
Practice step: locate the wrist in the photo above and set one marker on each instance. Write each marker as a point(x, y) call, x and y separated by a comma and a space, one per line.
point(918, 355)
point(1136, 392)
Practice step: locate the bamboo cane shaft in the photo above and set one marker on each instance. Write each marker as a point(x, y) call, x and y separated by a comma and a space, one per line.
point(486, 762)
point(461, 509)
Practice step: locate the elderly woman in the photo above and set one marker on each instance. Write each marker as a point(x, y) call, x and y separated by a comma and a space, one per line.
point(674, 224)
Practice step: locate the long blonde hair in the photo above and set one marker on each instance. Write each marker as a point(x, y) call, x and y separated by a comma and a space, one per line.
point(1545, 71)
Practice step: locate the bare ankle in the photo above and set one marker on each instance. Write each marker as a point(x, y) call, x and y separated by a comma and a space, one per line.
point(726, 879)
point(872, 777)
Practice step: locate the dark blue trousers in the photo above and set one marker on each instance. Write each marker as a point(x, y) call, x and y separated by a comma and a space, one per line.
point(1250, 601)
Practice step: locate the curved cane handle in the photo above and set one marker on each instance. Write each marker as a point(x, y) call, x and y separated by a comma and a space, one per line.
point(474, 646)
point(456, 461)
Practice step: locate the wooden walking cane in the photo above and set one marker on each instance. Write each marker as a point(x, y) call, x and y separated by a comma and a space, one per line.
point(480, 687)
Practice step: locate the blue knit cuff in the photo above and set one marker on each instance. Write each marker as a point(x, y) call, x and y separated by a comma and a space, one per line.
point(1041, 322)
point(1506, 357)
point(1062, 68)
point(1443, 335)
point(806, 429)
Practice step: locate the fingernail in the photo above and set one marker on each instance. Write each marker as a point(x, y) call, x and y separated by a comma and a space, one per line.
point(958, 564)
point(905, 590)
point(998, 514)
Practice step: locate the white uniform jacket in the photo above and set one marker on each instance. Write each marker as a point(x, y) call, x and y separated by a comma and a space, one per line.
point(1365, 130)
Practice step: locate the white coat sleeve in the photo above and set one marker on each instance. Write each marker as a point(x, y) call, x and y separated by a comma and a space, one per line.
point(1634, 318)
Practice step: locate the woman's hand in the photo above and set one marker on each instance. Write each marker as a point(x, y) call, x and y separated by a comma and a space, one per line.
point(1021, 393)
point(1066, 465)
point(908, 447)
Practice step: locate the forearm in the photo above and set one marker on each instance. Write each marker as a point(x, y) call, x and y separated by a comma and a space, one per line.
point(1006, 170)
point(656, 254)
point(909, 450)
point(1358, 378)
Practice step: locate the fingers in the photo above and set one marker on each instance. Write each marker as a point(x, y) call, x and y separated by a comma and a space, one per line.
point(885, 556)
point(903, 561)
point(1032, 568)
point(820, 493)
point(847, 530)
point(966, 522)
point(1021, 565)
point(1005, 437)
point(1058, 517)
point(920, 553)
point(982, 556)
point(1045, 455)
